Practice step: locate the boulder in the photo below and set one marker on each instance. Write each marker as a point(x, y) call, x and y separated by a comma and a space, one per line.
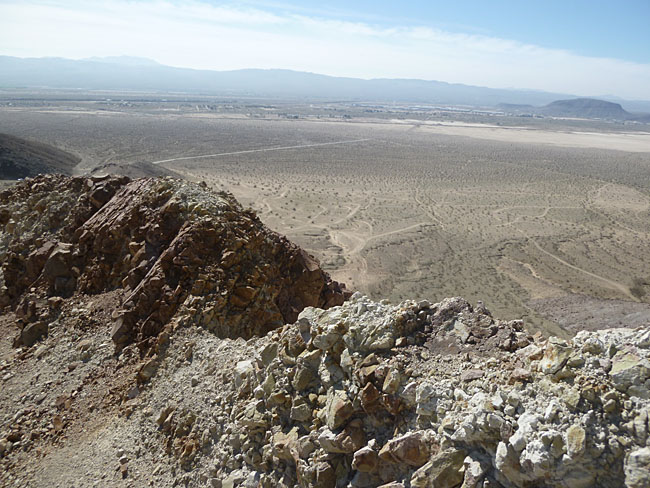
point(338, 408)
point(637, 468)
point(575, 441)
point(413, 449)
point(365, 460)
point(443, 471)
point(32, 333)
point(556, 356)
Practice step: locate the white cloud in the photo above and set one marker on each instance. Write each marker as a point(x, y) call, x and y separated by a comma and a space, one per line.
point(201, 35)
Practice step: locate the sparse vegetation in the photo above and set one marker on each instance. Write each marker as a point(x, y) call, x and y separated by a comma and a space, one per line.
point(637, 289)
point(408, 209)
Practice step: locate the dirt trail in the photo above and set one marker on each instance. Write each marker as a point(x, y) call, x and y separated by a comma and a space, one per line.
point(428, 210)
point(352, 245)
point(265, 201)
point(396, 231)
point(612, 284)
point(264, 149)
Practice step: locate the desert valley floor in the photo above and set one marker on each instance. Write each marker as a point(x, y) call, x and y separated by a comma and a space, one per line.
point(539, 221)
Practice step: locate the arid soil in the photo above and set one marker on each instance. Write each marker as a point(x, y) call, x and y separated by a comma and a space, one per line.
point(403, 205)
point(579, 312)
point(619, 141)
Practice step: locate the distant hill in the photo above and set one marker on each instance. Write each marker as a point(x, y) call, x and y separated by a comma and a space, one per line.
point(20, 158)
point(582, 108)
point(588, 108)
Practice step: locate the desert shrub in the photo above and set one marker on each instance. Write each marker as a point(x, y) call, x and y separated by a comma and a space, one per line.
point(637, 289)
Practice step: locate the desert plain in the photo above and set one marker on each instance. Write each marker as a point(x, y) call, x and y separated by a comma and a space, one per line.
point(546, 220)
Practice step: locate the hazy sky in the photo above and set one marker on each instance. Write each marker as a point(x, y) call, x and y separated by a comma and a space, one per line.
point(572, 46)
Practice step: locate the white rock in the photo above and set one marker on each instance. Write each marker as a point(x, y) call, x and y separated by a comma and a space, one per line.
point(637, 468)
point(535, 458)
point(551, 411)
point(518, 441)
point(501, 456)
point(528, 422)
point(242, 370)
point(427, 399)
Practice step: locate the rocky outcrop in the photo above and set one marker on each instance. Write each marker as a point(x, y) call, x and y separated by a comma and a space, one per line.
point(39, 215)
point(363, 395)
point(172, 246)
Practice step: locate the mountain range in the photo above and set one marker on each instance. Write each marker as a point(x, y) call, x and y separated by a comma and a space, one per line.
point(123, 73)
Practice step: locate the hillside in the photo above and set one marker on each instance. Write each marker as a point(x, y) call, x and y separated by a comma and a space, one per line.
point(20, 158)
point(139, 169)
point(156, 334)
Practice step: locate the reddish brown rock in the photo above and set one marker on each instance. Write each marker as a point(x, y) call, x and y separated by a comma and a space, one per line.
point(365, 460)
point(369, 398)
point(521, 375)
point(411, 448)
point(176, 248)
point(45, 210)
point(471, 375)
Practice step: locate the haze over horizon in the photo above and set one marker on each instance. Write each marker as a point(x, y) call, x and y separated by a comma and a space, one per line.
point(588, 48)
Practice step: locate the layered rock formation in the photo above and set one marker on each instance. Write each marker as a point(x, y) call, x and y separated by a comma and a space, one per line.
point(174, 247)
point(235, 361)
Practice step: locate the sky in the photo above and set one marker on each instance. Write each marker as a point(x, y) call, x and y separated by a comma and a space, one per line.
point(586, 48)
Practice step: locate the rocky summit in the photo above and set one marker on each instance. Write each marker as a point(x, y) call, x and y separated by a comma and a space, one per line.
point(157, 334)
point(175, 248)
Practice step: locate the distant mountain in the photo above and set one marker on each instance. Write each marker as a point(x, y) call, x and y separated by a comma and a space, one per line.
point(139, 74)
point(117, 75)
point(20, 158)
point(588, 108)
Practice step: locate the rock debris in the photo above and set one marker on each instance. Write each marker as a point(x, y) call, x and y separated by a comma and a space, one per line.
point(157, 334)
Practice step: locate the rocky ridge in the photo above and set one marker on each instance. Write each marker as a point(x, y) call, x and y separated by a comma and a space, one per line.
point(168, 373)
point(420, 395)
point(173, 247)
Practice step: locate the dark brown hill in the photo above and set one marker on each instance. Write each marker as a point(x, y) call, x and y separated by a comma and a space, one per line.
point(20, 158)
